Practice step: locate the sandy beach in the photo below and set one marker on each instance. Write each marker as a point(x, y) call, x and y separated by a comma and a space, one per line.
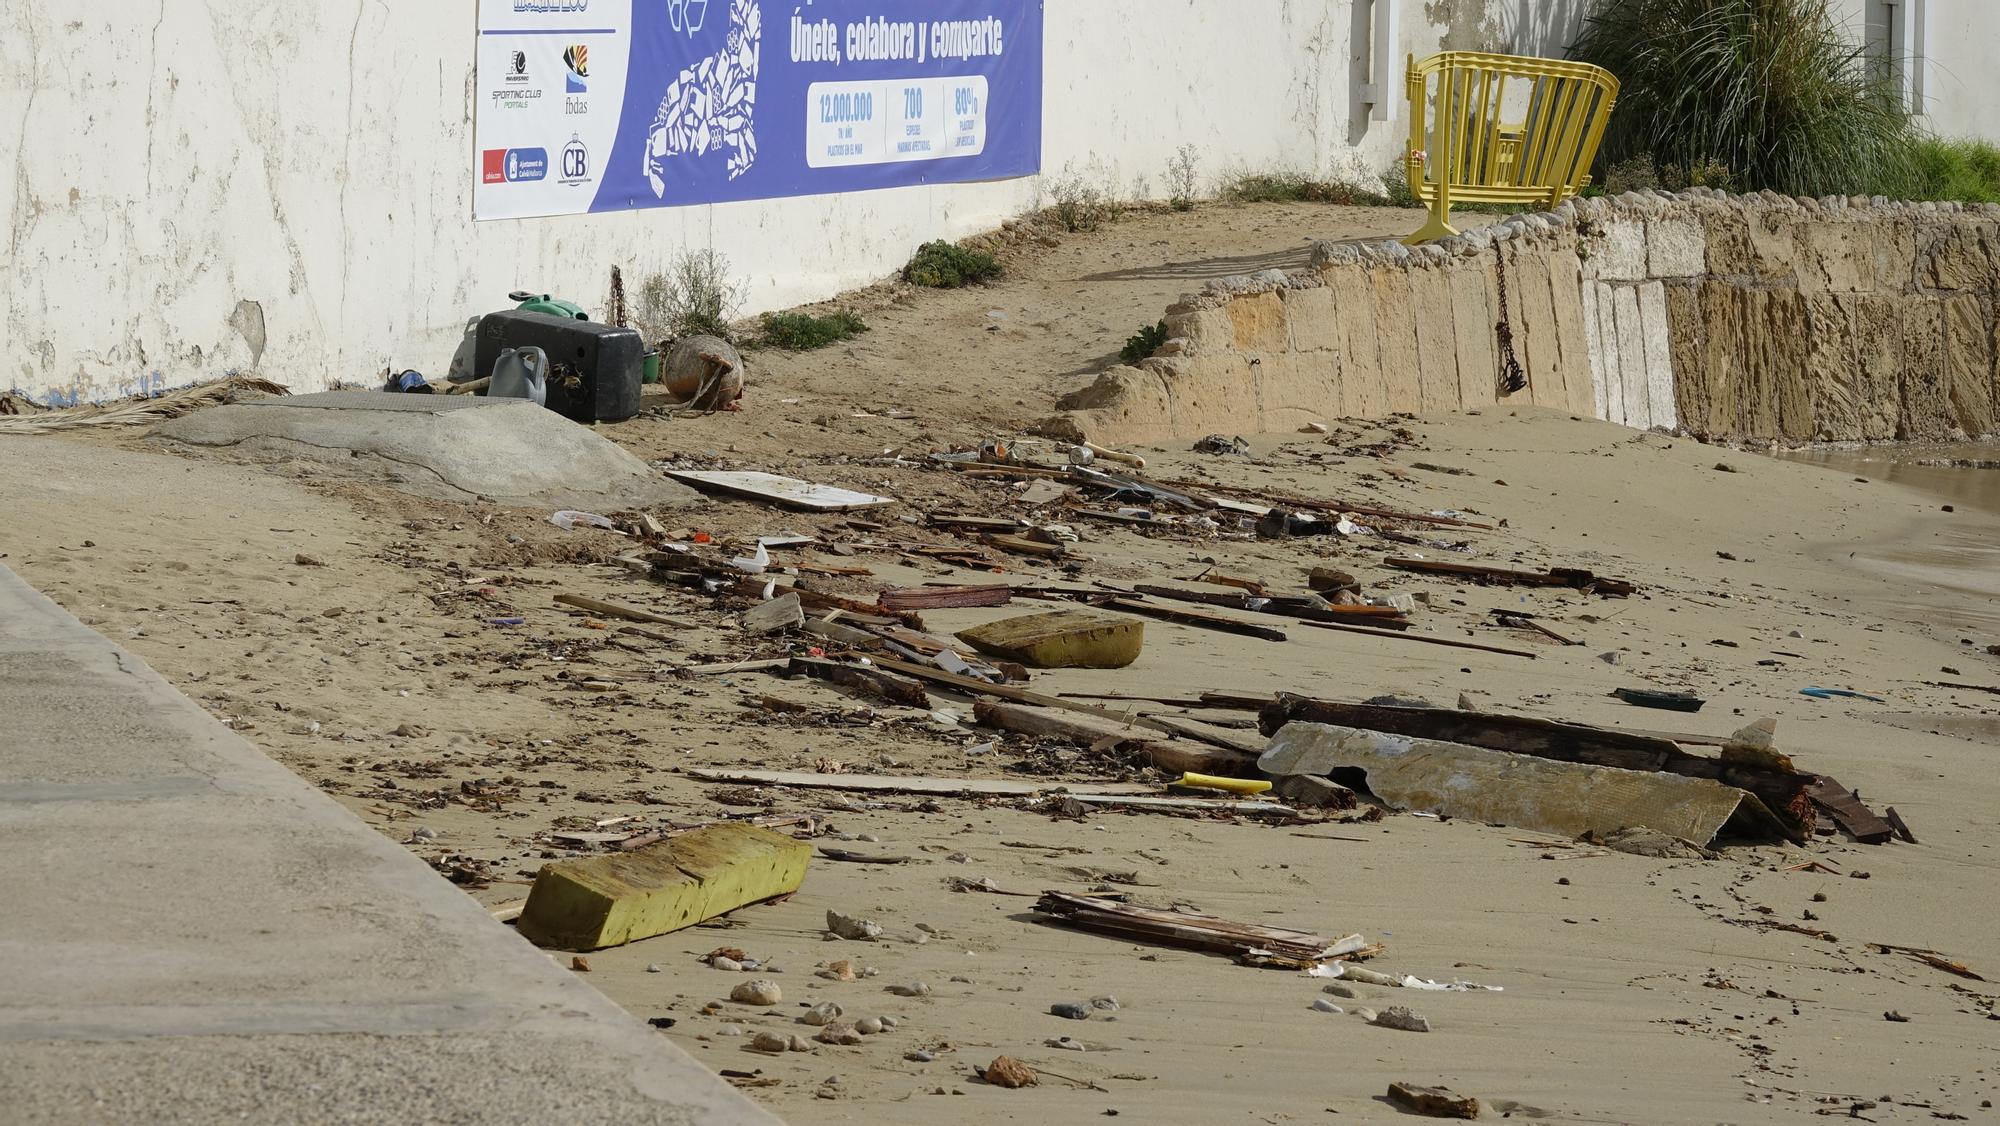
point(346, 627)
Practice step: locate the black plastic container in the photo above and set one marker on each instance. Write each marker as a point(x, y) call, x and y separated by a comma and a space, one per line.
point(596, 368)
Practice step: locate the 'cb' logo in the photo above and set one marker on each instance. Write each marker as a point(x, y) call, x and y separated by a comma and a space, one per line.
point(575, 160)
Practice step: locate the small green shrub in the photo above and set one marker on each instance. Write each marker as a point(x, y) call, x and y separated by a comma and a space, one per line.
point(695, 297)
point(1079, 204)
point(1396, 186)
point(1299, 187)
point(802, 332)
point(1183, 179)
point(1143, 343)
point(1966, 171)
point(944, 265)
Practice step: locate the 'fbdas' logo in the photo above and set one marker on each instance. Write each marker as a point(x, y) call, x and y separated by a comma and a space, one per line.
point(577, 60)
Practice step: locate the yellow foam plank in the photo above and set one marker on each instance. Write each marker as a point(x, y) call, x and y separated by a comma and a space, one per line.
point(597, 901)
point(1061, 639)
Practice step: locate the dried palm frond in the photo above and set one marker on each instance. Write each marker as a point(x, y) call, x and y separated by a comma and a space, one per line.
point(170, 405)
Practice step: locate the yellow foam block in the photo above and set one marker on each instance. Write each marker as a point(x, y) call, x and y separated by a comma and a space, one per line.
point(1062, 639)
point(598, 901)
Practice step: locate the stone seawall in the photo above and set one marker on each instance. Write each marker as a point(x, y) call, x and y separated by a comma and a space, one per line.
point(1731, 318)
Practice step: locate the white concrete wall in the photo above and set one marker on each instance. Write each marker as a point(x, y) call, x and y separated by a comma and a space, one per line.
point(199, 187)
point(1952, 42)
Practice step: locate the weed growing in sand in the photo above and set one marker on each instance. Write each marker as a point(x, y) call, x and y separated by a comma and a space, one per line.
point(802, 332)
point(1143, 343)
point(1183, 178)
point(1287, 186)
point(695, 297)
point(943, 265)
point(1079, 204)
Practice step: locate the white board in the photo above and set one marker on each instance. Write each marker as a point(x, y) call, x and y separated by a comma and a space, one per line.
point(789, 492)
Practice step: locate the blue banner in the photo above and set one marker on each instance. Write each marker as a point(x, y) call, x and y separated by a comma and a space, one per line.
point(605, 105)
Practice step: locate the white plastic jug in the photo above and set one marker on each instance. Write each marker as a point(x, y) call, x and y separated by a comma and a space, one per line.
point(521, 373)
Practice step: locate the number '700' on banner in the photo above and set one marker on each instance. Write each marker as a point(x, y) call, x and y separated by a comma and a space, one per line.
point(605, 105)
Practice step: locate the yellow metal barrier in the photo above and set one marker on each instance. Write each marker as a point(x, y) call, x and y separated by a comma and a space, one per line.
point(1502, 129)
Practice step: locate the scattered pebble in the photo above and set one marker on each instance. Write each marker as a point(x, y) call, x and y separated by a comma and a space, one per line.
point(1365, 1013)
point(1895, 1016)
point(1006, 1071)
point(770, 1042)
point(1107, 1003)
point(849, 927)
point(1067, 1043)
point(654, 968)
point(839, 1033)
point(1339, 990)
point(837, 971)
point(920, 1056)
point(868, 1026)
point(757, 991)
point(826, 1012)
point(1325, 1006)
point(1071, 1010)
point(887, 1022)
point(730, 1030)
point(913, 989)
point(729, 965)
point(580, 964)
point(1396, 1016)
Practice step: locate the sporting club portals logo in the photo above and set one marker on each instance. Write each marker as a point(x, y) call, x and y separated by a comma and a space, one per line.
point(576, 60)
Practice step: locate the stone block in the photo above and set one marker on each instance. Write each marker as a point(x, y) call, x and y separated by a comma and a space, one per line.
point(1396, 335)
point(1835, 257)
point(1921, 386)
point(1573, 355)
point(1060, 639)
point(598, 901)
point(1627, 323)
point(1729, 251)
point(1257, 322)
point(1722, 369)
point(1676, 248)
point(1773, 244)
point(1437, 359)
point(1958, 256)
point(1687, 335)
point(1362, 393)
point(1472, 320)
point(1205, 330)
point(1531, 312)
point(1831, 387)
point(1314, 319)
point(1618, 254)
point(1878, 348)
point(1968, 356)
point(1659, 362)
point(1893, 257)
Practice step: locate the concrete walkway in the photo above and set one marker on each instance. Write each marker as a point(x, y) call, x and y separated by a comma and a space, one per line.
point(190, 933)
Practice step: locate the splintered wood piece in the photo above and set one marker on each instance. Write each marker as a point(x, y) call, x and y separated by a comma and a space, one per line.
point(1268, 945)
point(1848, 812)
point(946, 597)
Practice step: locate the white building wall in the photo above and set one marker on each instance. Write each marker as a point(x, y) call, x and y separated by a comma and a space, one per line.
point(199, 187)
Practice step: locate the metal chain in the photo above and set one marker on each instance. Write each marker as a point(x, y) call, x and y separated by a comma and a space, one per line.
point(1512, 377)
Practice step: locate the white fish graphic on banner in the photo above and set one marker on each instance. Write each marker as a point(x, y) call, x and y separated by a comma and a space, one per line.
point(712, 104)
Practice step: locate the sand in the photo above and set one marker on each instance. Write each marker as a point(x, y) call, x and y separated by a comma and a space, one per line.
point(1634, 990)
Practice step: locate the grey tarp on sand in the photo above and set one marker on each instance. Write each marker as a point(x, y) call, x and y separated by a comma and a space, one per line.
point(1497, 786)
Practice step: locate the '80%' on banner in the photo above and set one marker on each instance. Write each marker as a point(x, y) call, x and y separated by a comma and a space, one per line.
point(604, 105)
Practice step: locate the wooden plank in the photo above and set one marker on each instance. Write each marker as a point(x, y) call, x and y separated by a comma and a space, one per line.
point(946, 597)
point(873, 681)
point(1092, 731)
point(614, 610)
point(887, 784)
point(786, 492)
point(1193, 618)
point(1189, 805)
point(1425, 638)
point(1848, 812)
point(973, 687)
point(1300, 608)
point(1574, 577)
point(1297, 949)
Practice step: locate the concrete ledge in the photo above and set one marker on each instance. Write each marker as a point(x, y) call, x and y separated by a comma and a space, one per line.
point(194, 934)
point(454, 447)
point(1698, 312)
